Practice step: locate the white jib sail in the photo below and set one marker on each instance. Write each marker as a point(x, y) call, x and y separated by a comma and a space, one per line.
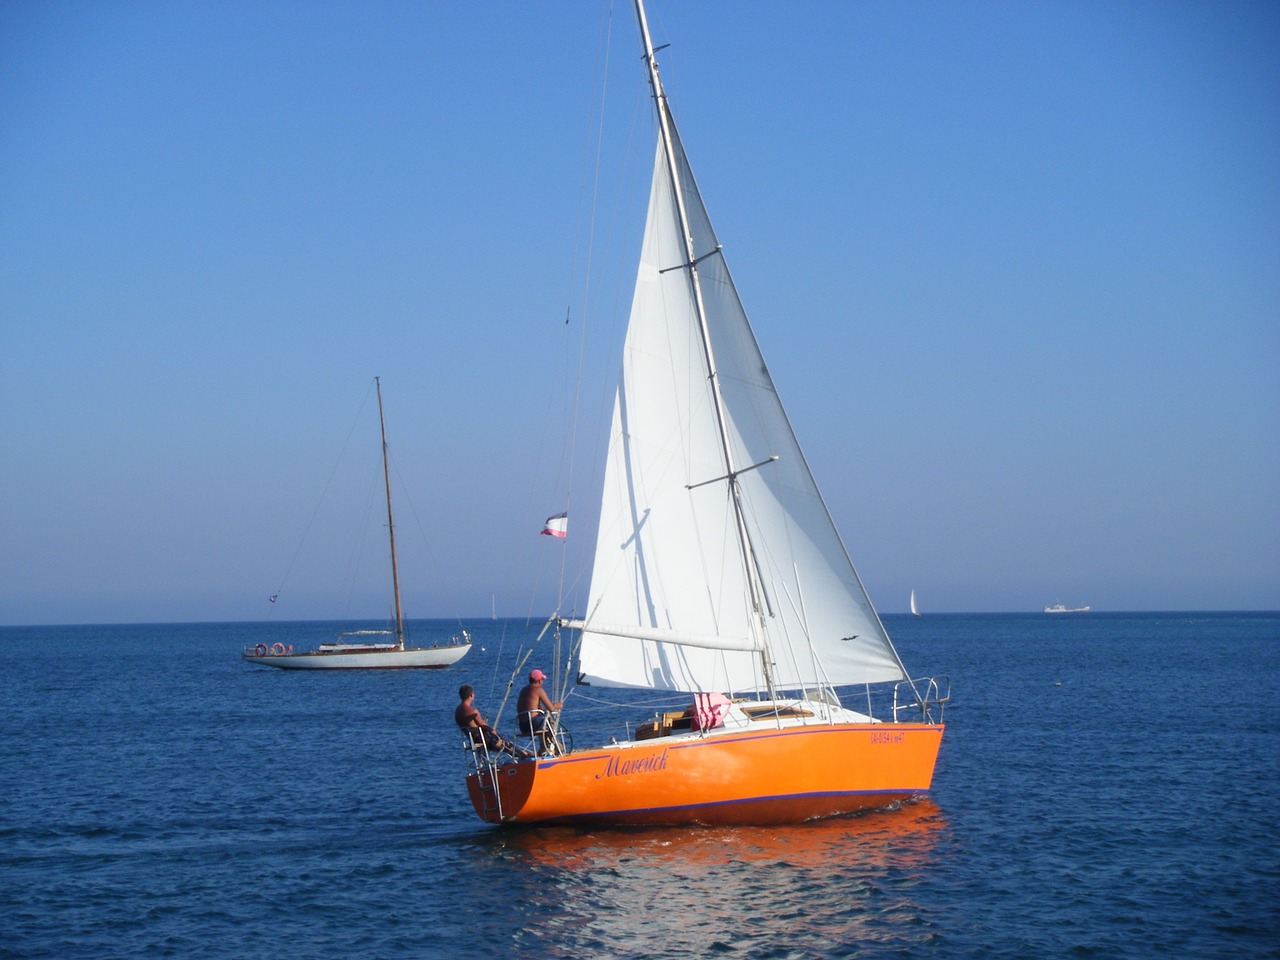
point(667, 557)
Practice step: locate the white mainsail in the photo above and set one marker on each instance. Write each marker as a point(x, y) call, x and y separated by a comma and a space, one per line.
point(669, 570)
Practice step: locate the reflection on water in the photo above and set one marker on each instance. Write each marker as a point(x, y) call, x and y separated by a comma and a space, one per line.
point(811, 890)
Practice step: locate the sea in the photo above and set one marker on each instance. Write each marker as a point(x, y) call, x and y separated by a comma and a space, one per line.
point(1108, 786)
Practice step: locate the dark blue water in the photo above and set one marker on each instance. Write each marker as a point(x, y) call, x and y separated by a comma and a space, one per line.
point(1108, 787)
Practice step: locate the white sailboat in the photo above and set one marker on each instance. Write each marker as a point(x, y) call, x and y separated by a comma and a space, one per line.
point(915, 611)
point(718, 573)
point(349, 653)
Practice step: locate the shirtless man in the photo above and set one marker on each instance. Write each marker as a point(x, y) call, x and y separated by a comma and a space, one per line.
point(468, 718)
point(532, 709)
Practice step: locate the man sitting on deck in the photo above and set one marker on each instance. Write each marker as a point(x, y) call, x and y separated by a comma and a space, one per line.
point(468, 718)
point(533, 709)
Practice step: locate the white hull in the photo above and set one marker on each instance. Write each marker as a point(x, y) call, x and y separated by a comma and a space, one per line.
point(426, 658)
point(1059, 608)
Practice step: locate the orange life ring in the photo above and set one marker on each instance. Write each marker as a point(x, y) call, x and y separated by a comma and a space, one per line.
point(277, 649)
point(260, 650)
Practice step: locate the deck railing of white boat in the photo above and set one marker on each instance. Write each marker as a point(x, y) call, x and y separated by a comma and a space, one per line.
point(928, 696)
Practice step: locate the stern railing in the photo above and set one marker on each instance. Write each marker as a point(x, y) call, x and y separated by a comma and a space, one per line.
point(484, 764)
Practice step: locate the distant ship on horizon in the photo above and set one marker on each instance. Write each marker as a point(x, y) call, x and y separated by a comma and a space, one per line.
point(1060, 608)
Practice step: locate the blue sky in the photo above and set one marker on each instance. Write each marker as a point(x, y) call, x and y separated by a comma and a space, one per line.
point(1015, 268)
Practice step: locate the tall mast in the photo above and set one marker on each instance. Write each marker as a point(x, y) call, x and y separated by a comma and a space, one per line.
point(666, 125)
point(391, 527)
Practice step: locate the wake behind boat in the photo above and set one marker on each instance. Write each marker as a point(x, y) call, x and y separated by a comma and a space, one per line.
point(719, 574)
point(367, 655)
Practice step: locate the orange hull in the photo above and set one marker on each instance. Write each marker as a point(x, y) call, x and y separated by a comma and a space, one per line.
point(756, 777)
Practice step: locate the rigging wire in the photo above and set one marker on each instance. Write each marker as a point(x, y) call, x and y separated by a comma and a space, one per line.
point(586, 286)
point(561, 678)
point(591, 208)
point(323, 493)
point(405, 497)
point(370, 505)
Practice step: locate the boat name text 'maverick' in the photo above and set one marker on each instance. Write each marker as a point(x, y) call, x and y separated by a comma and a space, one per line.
point(625, 768)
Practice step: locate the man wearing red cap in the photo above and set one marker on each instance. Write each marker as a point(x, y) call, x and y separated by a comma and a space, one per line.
point(532, 707)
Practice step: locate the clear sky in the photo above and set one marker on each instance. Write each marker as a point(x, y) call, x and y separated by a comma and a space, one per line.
point(1015, 268)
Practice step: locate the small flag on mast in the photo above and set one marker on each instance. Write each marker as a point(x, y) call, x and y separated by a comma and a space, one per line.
point(557, 526)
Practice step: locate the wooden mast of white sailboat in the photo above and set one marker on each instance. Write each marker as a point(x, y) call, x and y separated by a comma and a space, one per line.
point(755, 583)
point(391, 527)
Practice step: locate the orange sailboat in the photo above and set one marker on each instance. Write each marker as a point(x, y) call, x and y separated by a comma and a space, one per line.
point(718, 573)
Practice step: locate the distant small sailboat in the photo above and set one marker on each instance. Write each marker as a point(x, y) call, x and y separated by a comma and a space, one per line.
point(360, 655)
point(1062, 608)
point(915, 611)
